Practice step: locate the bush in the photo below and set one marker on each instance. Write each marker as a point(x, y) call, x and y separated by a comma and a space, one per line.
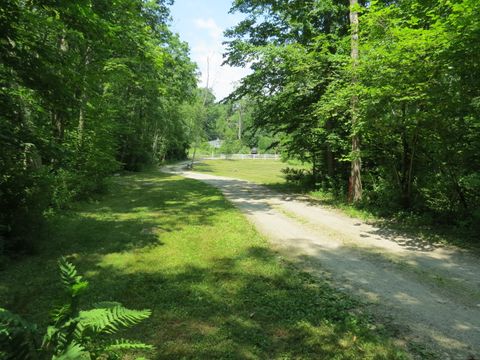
point(301, 177)
point(24, 196)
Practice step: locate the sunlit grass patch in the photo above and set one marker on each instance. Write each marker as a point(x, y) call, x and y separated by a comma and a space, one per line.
point(216, 290)
point(255, 170)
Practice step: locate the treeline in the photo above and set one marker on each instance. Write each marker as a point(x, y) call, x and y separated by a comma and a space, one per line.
point(412, 98)
point(88, 87)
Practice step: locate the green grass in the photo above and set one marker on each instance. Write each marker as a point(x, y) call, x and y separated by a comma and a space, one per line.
point(258, 171)
point(269, 173)
point(178, 247)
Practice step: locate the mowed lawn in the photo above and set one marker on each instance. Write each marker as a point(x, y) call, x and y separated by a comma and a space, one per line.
point(255, 170)
point(216, 290)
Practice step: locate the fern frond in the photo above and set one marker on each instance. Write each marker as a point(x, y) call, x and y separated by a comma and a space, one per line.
point(73, 282)
point(124, 345)
point(68, 272)
point(110, 320)
point(61, 314)
point(11, 320)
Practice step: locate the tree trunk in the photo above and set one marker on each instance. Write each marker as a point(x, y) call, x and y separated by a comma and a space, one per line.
point(329, 157)
point(330, 162)
point(83, 98)
point(355, 184)
point(240, 121)
point(81, 120)
point(58, 126)
point(193, 155)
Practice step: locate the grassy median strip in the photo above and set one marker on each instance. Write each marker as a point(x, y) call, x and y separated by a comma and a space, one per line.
point(216, 290)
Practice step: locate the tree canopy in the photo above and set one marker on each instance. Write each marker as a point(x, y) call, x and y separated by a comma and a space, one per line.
point(417, 88)
point(87, 88)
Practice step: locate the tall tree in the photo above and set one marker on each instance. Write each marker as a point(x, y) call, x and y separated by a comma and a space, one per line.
point(355, 185)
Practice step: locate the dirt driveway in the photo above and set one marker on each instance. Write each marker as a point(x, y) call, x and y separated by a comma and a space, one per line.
point(430, 294)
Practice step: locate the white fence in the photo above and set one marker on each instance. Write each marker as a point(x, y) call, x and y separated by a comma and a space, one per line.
point(242, 157)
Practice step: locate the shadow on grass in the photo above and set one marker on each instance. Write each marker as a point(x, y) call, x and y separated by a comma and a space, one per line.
point(243, 307)
point(134, 215)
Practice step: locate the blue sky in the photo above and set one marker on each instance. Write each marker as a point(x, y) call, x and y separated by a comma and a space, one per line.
point(201, 23)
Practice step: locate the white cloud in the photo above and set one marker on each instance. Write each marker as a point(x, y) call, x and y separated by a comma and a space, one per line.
point(222, 79)
point(215, 31)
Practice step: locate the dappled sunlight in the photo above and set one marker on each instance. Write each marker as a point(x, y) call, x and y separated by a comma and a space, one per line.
point(215, 288)
point(228, 305)
point(417, 305)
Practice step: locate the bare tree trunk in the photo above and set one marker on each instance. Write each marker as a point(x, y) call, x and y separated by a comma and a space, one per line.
point(58, 126)
point(81, 120)
point(355, 185)
point(239, 121)
point(83, 98)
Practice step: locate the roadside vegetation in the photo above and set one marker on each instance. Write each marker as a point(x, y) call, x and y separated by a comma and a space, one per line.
point(380, 98)
point(87, 89)
point(216, 290)
point(390, 122)
point(255, 170)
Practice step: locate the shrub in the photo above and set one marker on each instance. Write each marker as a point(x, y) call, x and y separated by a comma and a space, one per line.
point(300, 177)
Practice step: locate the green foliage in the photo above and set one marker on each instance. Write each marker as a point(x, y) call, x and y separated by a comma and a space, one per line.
point(87, 88)
point(74, 334)
point(297, 176)
point(230, 146)
point(418, 108)
point(16, 336)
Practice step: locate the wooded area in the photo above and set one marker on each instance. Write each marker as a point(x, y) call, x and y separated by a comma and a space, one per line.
point(87, 88)
point(374, 106)
point(406, 102)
